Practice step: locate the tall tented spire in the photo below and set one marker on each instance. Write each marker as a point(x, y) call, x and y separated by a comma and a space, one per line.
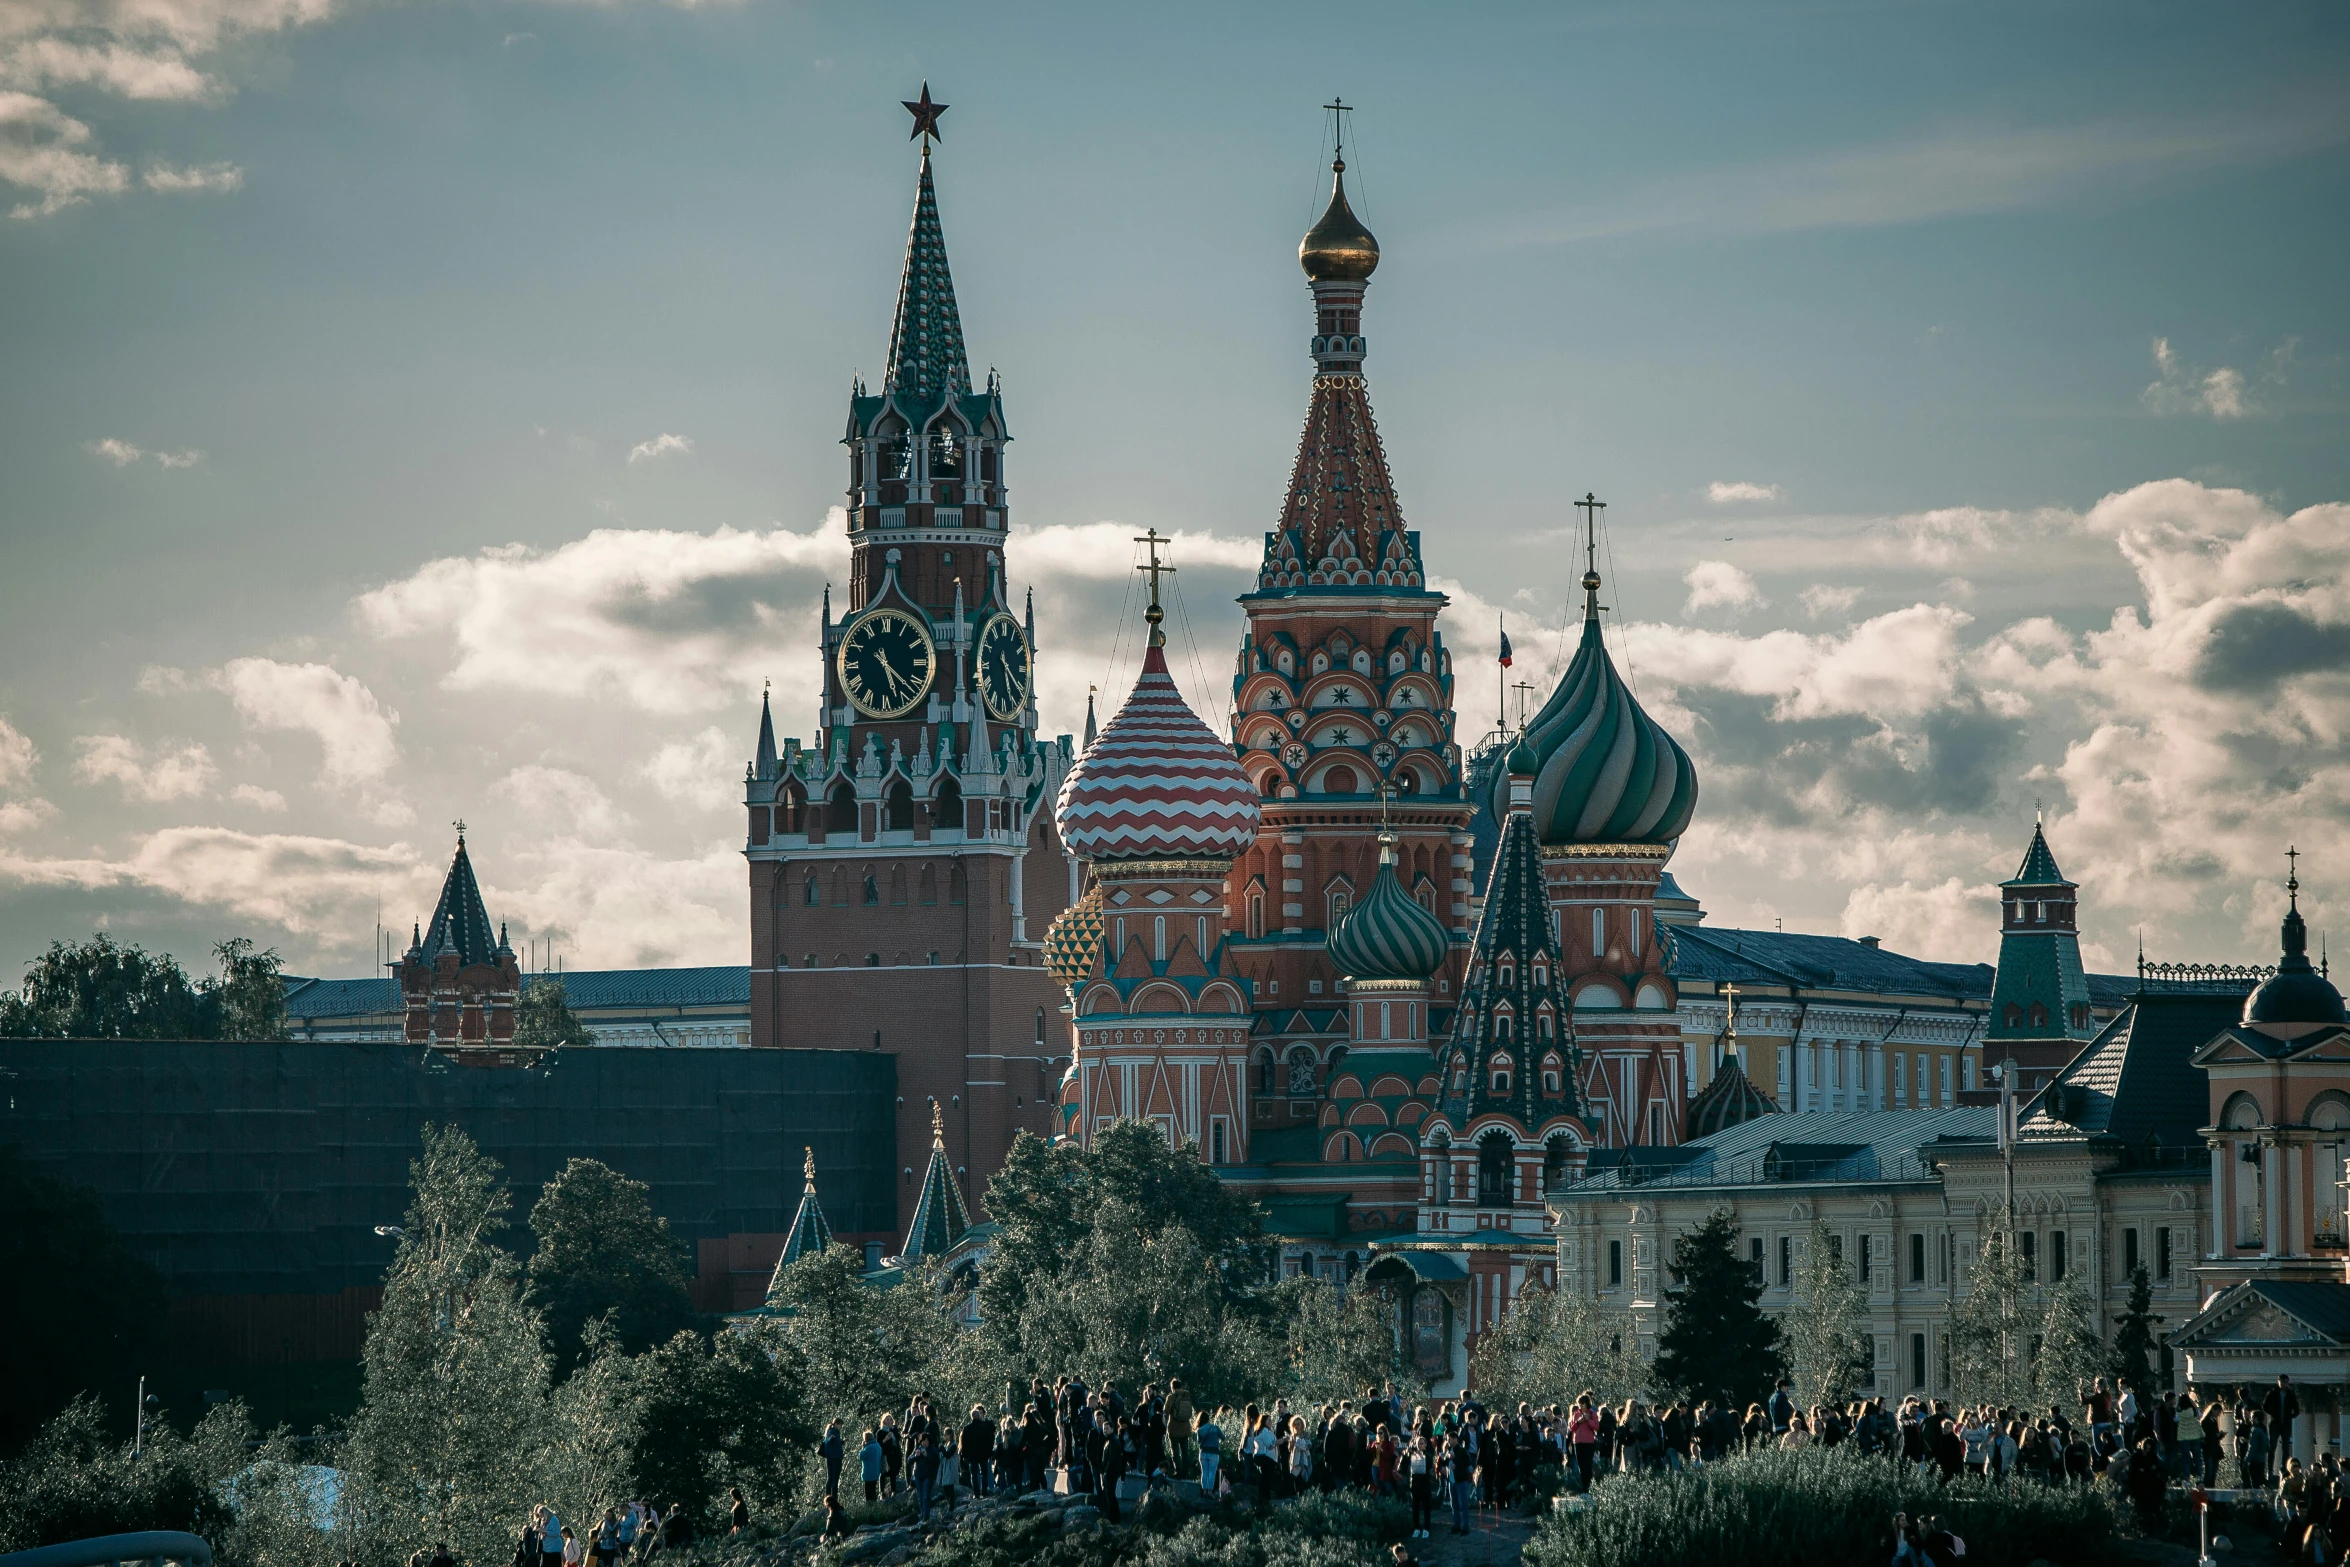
point(1512, 1047)
point(926, 360)
point(940, 1219)
point(1091, 728)
point(2039, 867)
point(459, 921)
point(768, 763)
point(810, 1233)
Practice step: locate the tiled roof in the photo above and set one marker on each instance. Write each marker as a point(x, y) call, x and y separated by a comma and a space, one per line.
point(2039, 867)
point(2137, 1079)
point(459, 921)
point(926, 362)
point(1807, 1145)
point(320, 1000)
point(1770, 957)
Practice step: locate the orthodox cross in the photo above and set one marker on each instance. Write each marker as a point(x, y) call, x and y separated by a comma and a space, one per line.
point(459, 824)
point(2293, 874)
point(1591, 506)
point(1152, 540)
point(925, 115)
point(809, 1168)
point(1730, 1014)
point(1337, 109)
point(1524, 690)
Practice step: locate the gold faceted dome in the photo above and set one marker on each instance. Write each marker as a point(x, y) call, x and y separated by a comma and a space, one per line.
point(1074, 939)
point(1338, 249)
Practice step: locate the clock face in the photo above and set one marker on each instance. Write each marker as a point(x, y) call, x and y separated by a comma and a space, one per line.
point(886, 661)
point(1003, 667)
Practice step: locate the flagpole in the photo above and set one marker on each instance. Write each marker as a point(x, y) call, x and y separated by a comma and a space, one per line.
point(1501, 683)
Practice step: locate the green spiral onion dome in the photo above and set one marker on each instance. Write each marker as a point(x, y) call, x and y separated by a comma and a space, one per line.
point(1388, 935)
point(1073, 940)
point(1604, 771)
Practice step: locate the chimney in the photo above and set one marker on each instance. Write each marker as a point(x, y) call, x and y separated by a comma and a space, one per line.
point(1868, 941)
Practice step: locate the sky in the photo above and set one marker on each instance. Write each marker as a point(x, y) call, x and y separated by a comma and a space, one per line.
point(415, 413)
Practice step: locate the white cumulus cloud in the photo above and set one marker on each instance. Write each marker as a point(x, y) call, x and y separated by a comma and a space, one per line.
point(1821, 601)
point(1716, 584)
point(1726, 492)
point(49, 153)
point(662, 445)
point(704, 772)
point(178, 772)
point(569, 803)
point(17, 754)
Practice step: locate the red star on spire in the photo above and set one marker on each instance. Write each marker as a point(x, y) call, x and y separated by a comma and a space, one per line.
point(926, 115)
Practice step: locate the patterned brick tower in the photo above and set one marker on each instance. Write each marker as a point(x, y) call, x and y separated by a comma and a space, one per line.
point(459, 979)
point(904, 867)
point(1156, 808)
point(1612, 792)
point(1342, 693)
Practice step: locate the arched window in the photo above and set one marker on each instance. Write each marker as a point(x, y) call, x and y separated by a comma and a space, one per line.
point(1256, 916)
point(897, 885)
point(1508, 975)
point(946, 809)
point(1338, 900)
point(840, 888)
point(1442, 1150)
point(901, 807)
point(1496, 1169)
point(1632, 927)
point(872, 889)
point(2039, 1015)
point(2015, 1015)
point(873, 960)
point(1502, 1024)
point(1499, 1074)
point(957, 884)
point(1555, 1154)
point(840, 813)
point(926, 885)
point(1158, 938)
point(1542, 1025)
point(1599, 933)
point(812, 894)
point(1040, 1025)
point(946, 453)
point(811, 963)
point(795, 808)
point(1301, 1073)
point(1264, 1071)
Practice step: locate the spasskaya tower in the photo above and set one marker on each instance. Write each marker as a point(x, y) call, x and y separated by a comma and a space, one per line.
point(904, 865)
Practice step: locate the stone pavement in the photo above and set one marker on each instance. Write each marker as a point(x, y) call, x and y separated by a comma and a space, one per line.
point(1492, 1542)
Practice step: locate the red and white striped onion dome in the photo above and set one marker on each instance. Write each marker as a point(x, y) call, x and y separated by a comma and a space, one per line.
point(1157, 784)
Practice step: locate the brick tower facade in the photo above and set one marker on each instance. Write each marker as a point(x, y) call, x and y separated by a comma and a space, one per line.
point(904, 866)
point(1342, 707)
point(459, 979)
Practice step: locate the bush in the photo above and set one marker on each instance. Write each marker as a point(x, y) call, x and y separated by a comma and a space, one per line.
point(1797, 1509)
point(1315, 1531)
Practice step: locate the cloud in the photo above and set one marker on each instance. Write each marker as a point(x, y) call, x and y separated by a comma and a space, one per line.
point(663, 621)
point(120, 453)
point(660, 446)
point(17, 754)
point(198, 178)
point(2179, 389)
point(24, 815)
point(1952, 918)
point(186, 459)
point(1958, 174)
point(1820, 601)
point(1717, 583)
point(702, 772)
point(353, 729)
point(570, 803)
point(1896, 665)
point(257, 797)
point(46, 151)
point(294, 883)
point(176, 773)
point(1725, 492)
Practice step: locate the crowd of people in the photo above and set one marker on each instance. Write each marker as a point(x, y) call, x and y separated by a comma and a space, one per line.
point(632, 1533)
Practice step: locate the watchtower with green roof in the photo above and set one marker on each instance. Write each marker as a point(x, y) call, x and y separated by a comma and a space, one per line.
point(2040, 1007)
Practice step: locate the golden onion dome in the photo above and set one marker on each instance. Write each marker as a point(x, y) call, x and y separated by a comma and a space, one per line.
point(1074, 939)
point(1338, 249)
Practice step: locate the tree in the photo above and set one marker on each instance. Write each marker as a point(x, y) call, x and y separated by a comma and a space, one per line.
point(2070, 1352)
point(2133, 1334)
point(1989, 1330)
point(446, 1440)
point(1338, 1343)
point(543, 1019)
point(76, 1479)
point(248, 998)
point(102, 989)
point(81, 1310)
point(862, 1348)
point(1828, 1344)
point(1716, 1342)
point(603, 1252)
point(719, 1414)
point(1555, 1344)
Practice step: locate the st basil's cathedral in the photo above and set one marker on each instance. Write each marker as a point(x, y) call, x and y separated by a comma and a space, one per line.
point(1269, 943)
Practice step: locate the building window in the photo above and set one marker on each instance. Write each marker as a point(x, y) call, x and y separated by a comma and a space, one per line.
point(1942, 1263)
point(1917, 1257)
point(811, 963)
point(1599, 933)
point(1786, 1261)
point(2129, 1253)
point(1755, 1245)
point(1256, 916)
point(1615, 1264)
point(2056, 1256)
point(2029, 1245)
point(1632, 932)
point(934, 964)
point(873, 960)
point(1039, 1012)
point(1917, 1360)
point(1864, 1259)
point(1947, 1097)
point(1158, 938)
point(2162, 1253)
point(872, 889)
point(810, 895)
point(956, 883)
point(1216, 1140)
point(1264, 1071)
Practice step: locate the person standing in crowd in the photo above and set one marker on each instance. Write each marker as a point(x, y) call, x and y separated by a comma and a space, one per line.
point(833, 1451)
point(738, 1516)
point(1422, 1464)
point(2282, 1406)
point(1583, 1439)
point(1460, 1464)
point(893, 1454)
point(925, 1467)
point(1208, 1437)
point(1181, 1423)
point(976, 1447)
point(869, 1462)
point(551, 1538)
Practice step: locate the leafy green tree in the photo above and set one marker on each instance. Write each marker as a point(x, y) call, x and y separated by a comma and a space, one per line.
point(1715, 1341)
point(81, 1311)
point(76, 1479)
point(595, 1423)
point(1828, 1346)
point(248, 997)
point(603, 1252)
point(2070, 1352)
point(1990, 1326)
point(103, 989)
point(2133, 1334)
point(1554, 1344)
point(446, 1440)
point(862, 1348)
point(716, 1414)
point(543, 1019)
point(1338, 1343)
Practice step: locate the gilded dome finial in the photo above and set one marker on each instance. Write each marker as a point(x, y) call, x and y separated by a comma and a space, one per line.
point(1338, 249)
